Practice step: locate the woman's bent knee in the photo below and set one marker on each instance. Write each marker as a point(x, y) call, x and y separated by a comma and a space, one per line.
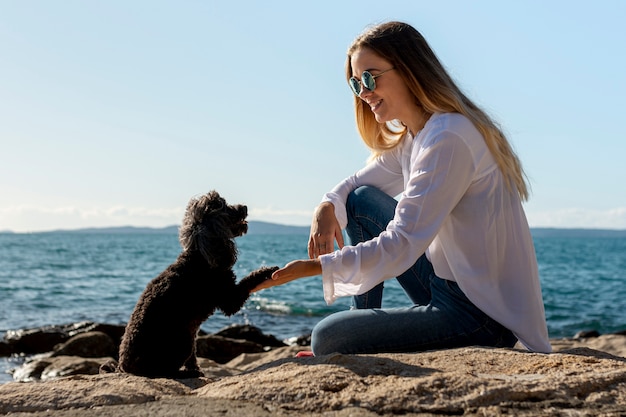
point(330, 336)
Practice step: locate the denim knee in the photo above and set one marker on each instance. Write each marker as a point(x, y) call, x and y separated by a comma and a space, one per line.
point(317, 339)
point(357, 196)
point(325, 337)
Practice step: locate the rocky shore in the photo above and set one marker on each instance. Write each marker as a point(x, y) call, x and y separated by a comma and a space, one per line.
point(250, 373)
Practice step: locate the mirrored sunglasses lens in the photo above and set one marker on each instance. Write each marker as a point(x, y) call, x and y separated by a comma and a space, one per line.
point(355, 85)
point(368, 81)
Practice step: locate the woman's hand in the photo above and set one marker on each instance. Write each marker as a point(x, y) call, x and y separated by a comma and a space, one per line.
point(292, 271)
point(325, 230)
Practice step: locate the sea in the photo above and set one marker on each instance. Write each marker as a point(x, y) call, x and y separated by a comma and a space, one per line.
point(67, 277)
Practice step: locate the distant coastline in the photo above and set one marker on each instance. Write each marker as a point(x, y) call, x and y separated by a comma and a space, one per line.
point(256, 227)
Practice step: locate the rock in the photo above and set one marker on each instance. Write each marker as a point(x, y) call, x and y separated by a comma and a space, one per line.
point(46, 368)
point(303, 340)
point(214, 371)
point(470, 381)
point(614, 344)
point(86, 392)
point(5, 349)
point(251, 334)
point(114, 331)
point(88, 345)
point(583, 334)
point(247, 362)
point(44, 339)
point(41, 339)
point(223, 349)
point(467, 381)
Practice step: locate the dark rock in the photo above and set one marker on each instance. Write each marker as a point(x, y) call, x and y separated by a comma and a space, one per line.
point(46, 368)
point(586, 334)
point(5, 349)
point(88, 345)
point(44, 339)
point(115, 331)
point(222, 349)
point(251, 334)
point(304, 340)
point(31, 370)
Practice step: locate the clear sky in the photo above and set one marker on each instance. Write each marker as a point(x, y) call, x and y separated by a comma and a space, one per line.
point(117, 112)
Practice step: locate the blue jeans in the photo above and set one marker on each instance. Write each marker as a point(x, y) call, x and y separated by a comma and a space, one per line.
point(441, 315)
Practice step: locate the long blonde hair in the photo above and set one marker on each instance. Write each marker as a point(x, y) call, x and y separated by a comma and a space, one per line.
point(409, 53)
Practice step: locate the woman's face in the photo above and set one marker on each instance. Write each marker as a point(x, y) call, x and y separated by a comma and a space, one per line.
point(391, 99)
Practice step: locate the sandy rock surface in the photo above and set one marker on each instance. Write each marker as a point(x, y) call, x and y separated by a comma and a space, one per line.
point(577, 381)
point(442, 382)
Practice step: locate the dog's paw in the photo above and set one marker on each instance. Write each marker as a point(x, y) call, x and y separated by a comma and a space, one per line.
point(257, 277)
point(267, 271)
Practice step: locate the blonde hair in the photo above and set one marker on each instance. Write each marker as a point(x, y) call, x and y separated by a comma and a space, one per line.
point(409, 53)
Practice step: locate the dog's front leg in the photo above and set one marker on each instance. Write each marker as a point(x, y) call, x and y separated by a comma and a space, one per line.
point(255, 278)
point(244, 287)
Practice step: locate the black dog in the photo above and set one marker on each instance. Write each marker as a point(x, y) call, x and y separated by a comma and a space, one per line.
point(160, 338)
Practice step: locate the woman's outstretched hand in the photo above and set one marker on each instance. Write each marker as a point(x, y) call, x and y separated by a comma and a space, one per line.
point(292, 271)
point(325, 230)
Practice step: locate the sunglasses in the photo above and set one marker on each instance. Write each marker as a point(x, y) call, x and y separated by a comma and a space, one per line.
point(367, 81)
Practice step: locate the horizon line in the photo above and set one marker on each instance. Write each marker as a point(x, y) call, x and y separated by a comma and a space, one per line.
point(283, 225)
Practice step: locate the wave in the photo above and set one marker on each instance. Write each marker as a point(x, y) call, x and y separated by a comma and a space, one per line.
point(275, 307)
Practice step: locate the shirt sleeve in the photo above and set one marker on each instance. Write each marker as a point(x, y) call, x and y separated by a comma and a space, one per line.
point(441, 169)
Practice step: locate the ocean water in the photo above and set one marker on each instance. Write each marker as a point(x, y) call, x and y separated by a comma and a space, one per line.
point(59, 278)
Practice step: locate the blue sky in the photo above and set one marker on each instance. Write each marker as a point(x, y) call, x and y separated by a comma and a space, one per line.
point(116, 113)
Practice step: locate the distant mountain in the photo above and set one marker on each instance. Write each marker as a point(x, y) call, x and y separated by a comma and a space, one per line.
point(120, 230)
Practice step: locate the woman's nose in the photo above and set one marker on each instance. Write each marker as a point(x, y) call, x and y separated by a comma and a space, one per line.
point(364, 93)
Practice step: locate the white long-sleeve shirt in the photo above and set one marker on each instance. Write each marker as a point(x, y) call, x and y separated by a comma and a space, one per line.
point(455, 207)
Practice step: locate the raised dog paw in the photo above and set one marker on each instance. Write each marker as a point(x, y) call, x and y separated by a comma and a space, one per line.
point(258, 276)
point(267, 271)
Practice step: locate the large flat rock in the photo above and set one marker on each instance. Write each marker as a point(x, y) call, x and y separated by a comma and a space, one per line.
point(577, 381)
point(446, 382)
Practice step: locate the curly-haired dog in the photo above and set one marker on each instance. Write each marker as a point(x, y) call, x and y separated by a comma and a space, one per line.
point(160, 338)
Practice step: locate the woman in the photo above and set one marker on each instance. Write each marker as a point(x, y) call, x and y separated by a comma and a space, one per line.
point(456, 237)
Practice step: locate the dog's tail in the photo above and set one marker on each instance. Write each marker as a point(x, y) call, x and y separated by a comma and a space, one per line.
point(109, 367)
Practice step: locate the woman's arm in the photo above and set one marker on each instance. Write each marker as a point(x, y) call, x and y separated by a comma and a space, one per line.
point(292, 271)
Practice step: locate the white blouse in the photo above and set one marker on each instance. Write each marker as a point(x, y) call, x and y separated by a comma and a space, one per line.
point(455, 207)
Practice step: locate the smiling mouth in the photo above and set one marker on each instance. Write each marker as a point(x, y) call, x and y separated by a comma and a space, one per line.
point(375, 105)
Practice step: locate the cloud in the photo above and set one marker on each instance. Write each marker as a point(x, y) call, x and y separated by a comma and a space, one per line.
point(30, 218)
point(27, 218)
point(614, 218)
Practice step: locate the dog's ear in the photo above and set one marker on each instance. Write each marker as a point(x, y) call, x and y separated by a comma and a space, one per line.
point(217, 252)
point(205, 228)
